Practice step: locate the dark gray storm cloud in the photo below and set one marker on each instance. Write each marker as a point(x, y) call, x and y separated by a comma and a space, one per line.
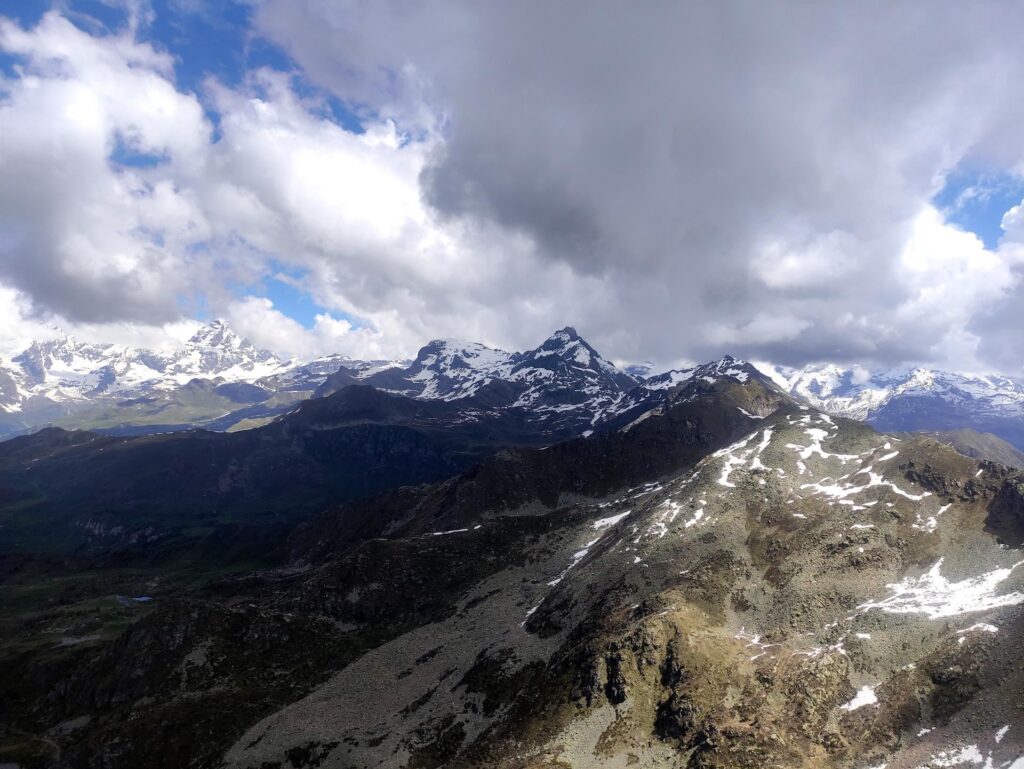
point(742, 175)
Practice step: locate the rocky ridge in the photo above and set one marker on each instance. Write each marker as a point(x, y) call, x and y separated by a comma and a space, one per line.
point(811, 594)
point(727, 579)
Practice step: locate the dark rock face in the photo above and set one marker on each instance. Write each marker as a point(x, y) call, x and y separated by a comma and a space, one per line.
point(676, 716)
point(242, 392)
point(1005, 516)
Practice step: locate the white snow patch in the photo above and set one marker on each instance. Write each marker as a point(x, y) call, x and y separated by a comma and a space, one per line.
point(966, 755)
point(982, 627)
point(738, 455)
point(697, 515)
point(841, 491)
point(611, 520)
point(934, 595)
point(865, 696)
point(578, 556)
point(732, 461)
point(817, 435)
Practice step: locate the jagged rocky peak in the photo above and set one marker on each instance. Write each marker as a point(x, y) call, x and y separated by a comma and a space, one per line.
point(727, 367)
point(567, 354)
point(447, 369)
point(564, 337)
point(450, 369)
point(217, 350)
point(65, 369)
point(566, 345)
point(217, 333)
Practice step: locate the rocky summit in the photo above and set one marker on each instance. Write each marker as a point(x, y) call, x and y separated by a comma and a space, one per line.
point(721, 577)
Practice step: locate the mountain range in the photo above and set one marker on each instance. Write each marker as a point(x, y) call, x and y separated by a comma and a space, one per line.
point(216, 379)
point(913, 398)
point(220, 381)
point(718, 576)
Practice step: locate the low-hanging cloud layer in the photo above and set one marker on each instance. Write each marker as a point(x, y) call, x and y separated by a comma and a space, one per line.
point(678, 180)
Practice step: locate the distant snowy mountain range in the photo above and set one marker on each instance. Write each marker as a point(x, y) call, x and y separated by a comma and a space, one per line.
point(220, 380)
point(912, 399)
point(66, 369)
point(108, 386)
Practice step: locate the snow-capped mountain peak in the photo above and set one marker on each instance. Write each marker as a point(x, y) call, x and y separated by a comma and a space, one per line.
point(66, 369)
point(217, 333)
point(561, 342)
point(569, 346)
point(916, 398)
point(449, 369)
point(216, 350)
point(562, 380)
point(566, 350)
point(725, 368)
point(565, 372)
point(456, 354)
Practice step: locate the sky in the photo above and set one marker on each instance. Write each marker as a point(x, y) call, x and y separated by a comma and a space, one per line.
point(787, 182)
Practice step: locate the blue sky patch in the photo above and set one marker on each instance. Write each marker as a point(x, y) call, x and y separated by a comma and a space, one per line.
point(289, 296)
point(976, 201)
point(286, 288)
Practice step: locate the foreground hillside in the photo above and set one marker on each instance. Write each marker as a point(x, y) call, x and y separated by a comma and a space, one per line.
point(814, 594)
point(727, 579)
